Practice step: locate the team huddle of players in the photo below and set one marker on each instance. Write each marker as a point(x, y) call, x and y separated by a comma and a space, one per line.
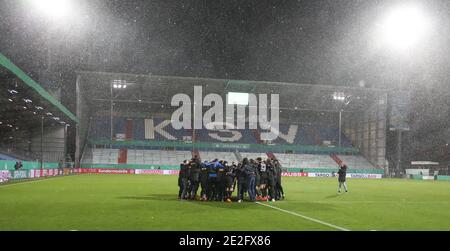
point(259, 179)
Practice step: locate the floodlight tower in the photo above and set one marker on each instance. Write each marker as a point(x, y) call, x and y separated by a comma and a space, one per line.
point(341, 97)
point(401, 31)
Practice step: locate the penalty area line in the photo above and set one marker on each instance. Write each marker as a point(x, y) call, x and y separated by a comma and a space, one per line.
point(304, 217)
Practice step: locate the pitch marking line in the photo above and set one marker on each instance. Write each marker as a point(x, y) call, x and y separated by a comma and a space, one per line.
point(31, 181)
point(304, 217)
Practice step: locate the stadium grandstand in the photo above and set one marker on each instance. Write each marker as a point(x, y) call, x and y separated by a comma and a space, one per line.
point(125, 122)
point(158, 115)
point(33, 124)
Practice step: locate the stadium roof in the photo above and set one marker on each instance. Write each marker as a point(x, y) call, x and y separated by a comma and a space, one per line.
point(155, 92)
point(24, 101)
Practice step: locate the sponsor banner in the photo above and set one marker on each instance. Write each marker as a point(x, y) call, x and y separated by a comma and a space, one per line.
point(116, 171)
point(88, 170)
point(21, 174)
point(364, 176)
point(349, 175)
point(155, 171)
point(31, 173)
point(106, 170)
point(290, 174)
point(428, 177)
point(148, 171)
point(172, 172)
point(37, 173)
point(4, 176)
point(321, 175)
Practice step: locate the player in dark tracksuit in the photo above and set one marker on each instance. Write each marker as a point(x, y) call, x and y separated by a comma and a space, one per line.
point(271, 179)
point(183, 180)
point(250, 172)
point(220, 182)
point(212, 179)
point(241, 181)
point(194, 177)
point(257, 165)
point(264, 179)
point(230, 178)
point(342, 176)
point(279, 193)
point(204, 179)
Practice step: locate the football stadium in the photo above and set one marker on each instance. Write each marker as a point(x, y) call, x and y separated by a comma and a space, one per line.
point(111, 148)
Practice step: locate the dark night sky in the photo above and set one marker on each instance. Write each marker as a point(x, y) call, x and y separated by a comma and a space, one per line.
point(316, 42)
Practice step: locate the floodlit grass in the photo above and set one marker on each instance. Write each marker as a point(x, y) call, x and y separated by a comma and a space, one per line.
point(149, 202)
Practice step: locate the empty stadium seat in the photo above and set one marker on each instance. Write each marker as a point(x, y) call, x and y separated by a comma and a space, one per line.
point(356, 162)
point(157, 157)
point(105, 156)
point(306, 160)
point(208, 155)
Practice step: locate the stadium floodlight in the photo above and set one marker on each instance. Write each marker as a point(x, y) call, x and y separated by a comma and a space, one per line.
point(39, 107)
point(49, 114)
point(12, 91)
point(27, 100)
point(10, 100)
point(55, 118)
point(115, 86)
point(339, 96)
point(403, 27)
point(56, 9)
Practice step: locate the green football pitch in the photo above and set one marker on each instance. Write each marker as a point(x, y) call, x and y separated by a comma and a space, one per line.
point(149, 202)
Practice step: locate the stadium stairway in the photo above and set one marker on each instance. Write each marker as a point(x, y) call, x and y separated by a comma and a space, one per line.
point(336, 159)
point(123, 152)
point(123, 155)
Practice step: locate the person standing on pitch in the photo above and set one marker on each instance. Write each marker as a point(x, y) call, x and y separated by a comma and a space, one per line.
point(220, 185)
point(271, 179)
point(342, 173)
point(241, 181)
point(257, 165)
point(183, 180)
point(194, 178)
point(250, 172)
point(212, 179)
point(204, 180)
point(278, 188)
point(230, 175)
